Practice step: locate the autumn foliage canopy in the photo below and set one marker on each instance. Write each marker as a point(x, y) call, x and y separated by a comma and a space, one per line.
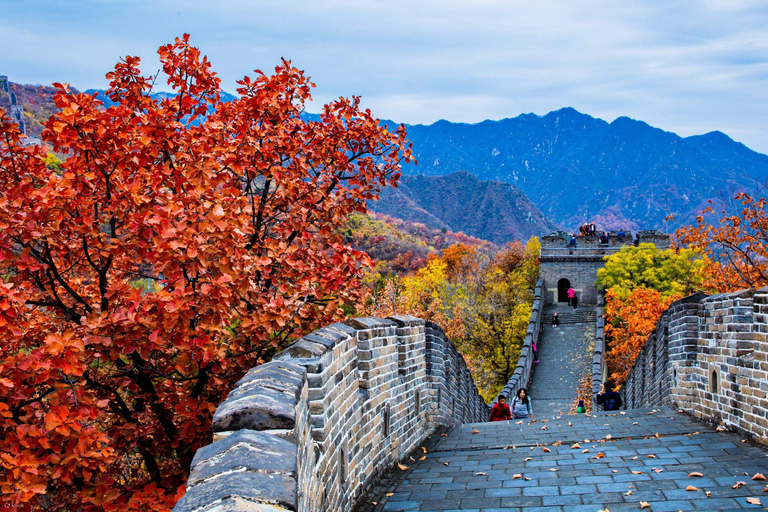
point(180, 241)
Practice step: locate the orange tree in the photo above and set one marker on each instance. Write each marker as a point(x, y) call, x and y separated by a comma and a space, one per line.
point(229, 211)
point(640, 283)
point(736, 240)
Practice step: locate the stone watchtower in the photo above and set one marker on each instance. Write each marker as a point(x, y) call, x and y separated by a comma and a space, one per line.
point(15, 110)
point(573, 261)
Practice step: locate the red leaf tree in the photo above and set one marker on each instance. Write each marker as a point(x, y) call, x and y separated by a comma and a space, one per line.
point(181, 241)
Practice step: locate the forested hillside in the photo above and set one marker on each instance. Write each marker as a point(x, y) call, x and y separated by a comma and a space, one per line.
point(491, 210)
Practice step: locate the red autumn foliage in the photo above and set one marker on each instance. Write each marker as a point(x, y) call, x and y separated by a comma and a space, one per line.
point(182, 241)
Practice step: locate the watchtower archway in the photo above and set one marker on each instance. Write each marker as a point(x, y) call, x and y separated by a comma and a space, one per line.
point(562, 290)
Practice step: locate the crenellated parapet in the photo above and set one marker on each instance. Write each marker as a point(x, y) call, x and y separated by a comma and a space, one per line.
point(709, 357)
point(312, 429)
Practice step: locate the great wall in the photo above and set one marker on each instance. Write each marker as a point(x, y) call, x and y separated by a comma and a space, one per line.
point(339, 415)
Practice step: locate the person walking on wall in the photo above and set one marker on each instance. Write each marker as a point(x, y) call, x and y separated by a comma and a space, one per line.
point(521, 405)
point(535, 352)
point(610, 399)
point(500, 411)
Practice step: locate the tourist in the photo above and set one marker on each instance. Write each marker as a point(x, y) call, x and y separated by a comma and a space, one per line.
point(521, 405)
point(580, 409)
point(571, 295)
point(610, 399)
point(500, 411)
point(575, 302)
point(573, 241)
point(535, 353)
point(637, 239)
point(555, 320)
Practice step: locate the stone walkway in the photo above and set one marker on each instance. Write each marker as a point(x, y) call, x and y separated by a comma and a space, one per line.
point(565, 355)
point(649, 457)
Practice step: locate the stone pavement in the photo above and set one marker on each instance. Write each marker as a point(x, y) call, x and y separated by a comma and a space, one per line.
point(648, 457)
point(565, 355)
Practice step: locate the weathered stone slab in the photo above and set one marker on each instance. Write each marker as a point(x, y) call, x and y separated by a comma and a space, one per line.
point(237, 504)
point(268, 489)
point(258, 409)
point(278, 375)
point(244, 450)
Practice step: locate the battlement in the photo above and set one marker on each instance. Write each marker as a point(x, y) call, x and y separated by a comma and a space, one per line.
point(311, 430)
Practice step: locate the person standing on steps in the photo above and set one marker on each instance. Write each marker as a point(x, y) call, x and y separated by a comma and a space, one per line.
point(571, 295)
point(610, 399)
point(521, 406)
point(500, 411)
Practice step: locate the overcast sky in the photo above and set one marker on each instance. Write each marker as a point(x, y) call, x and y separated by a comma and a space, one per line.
point(684, 66)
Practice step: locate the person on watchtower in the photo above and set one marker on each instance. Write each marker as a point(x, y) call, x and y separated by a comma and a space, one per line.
point(521, 405)
point(610, 399)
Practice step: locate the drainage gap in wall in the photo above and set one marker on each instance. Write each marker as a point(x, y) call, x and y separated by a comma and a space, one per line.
point(385, 418)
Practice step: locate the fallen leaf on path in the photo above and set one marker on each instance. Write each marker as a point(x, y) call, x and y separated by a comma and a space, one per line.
point(638, 472)
point(635, 423)
point(557, 443)
point(721, 429)
point(527, 459)
point(390, 494)
point(414, 460)
point(600, 455)
point(519, 422)
point(738, 485)
point(633, 458)
point(443, 435)
point(645, 504)
point(544, 428)
point(766, 489)
point(708, 494)
point(475, 431)
point(516, 476)
point(423, 449)
point(585, 450)
point(628, 493)
point(695, 473)
point(651, 456)
point(758, 476)
point(691, 488)
point(575, 445)
point(402, 466)
point(526, 478)
point(547, 450)
point(754, 501)
point(422, 457)
point(446, 463)
point(609, 436)
point(554, 469)
point(481, 474)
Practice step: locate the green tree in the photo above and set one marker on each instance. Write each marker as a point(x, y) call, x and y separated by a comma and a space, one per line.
point(670, 272)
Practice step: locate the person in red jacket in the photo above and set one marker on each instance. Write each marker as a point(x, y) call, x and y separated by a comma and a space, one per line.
point(500, 411)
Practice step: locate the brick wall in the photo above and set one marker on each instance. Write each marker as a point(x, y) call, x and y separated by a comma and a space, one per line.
point(522, 374)
point(312, 429)
point(708, 356)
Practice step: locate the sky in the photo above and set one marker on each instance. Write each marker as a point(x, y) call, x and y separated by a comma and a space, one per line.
point(685, 66)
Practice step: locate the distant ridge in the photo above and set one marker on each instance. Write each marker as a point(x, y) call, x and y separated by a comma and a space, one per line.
point(490, 210)
point(575, 167)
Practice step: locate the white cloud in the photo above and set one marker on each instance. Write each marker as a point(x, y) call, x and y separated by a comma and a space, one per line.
point(688, 67)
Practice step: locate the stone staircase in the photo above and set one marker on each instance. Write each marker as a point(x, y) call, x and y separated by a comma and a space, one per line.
point(565, 355)
point(616, 461)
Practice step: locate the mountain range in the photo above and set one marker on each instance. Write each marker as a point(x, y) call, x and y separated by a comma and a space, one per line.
point(576, 168)
point(565, 168)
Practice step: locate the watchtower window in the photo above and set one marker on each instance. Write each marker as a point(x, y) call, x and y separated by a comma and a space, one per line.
point(713, 383)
